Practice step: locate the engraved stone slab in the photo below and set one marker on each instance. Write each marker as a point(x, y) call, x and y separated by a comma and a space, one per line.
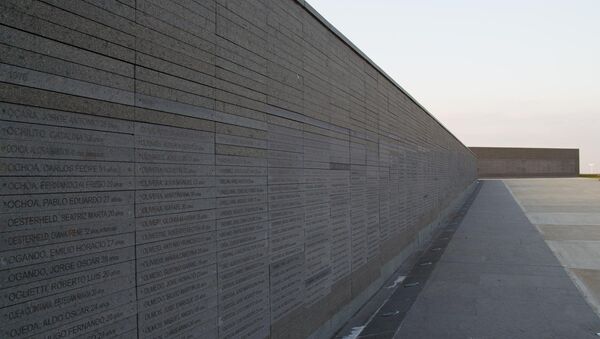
point(171, 207)
point(33, 132)
point(225, 191)
point(158, 234)
point(51, 235)
point(250, 291)
point(241, 171)
point(30, 185)
point(198, 255)
point(91, 323)
point(287, 285)
point(170, 245)
point(148, 196)
point(123, 272)
point(172, 182)
point(126, 328)
point(242, 255)
point(160, 287)
point(169, 311)
point(71, 265)
point(57, 168)
point(193, 321)
point(46, 313)
point(169, 265)
point(202, 144)
point(238, 211)
point(30, 78)
point(172, 220)
point(173, 157)
point(25, 203)
point(90, 217)
point(36, 255)
point(150, 169)
point(233, 160)
point(241, 220)
point(21, 113)
point(38, 149)
point(198, 290)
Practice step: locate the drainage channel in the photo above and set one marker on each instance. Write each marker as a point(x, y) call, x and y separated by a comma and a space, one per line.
point(390, 315)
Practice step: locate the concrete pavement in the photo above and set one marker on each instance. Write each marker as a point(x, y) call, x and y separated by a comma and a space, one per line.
point(567, 214)
point(499, 279)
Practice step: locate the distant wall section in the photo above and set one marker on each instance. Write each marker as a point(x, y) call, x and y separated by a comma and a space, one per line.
point(501, 162)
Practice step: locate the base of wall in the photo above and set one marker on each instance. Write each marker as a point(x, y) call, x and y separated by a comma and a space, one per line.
point(423, 238)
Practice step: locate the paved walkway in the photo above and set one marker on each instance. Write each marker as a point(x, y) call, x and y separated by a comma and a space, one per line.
point(567, 214)
point(498, 279)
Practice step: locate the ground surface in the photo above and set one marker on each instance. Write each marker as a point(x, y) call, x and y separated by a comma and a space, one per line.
point(499, 277)
point(567, 214)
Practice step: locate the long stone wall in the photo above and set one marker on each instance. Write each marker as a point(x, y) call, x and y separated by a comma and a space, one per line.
point(506, 162)
point(202, 168)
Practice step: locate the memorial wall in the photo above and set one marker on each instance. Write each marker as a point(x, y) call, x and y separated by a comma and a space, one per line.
point(507, 162)
point(202, 169)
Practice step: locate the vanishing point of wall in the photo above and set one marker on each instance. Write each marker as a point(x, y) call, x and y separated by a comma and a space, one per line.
point(202, 168)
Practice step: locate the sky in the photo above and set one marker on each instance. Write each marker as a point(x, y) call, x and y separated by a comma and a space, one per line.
point(496, 73)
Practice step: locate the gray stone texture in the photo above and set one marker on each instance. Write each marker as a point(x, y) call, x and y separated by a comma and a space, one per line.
point(499, 162)
point(200, 169)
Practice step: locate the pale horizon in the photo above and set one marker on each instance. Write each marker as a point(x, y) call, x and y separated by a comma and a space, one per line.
point(496, 74)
